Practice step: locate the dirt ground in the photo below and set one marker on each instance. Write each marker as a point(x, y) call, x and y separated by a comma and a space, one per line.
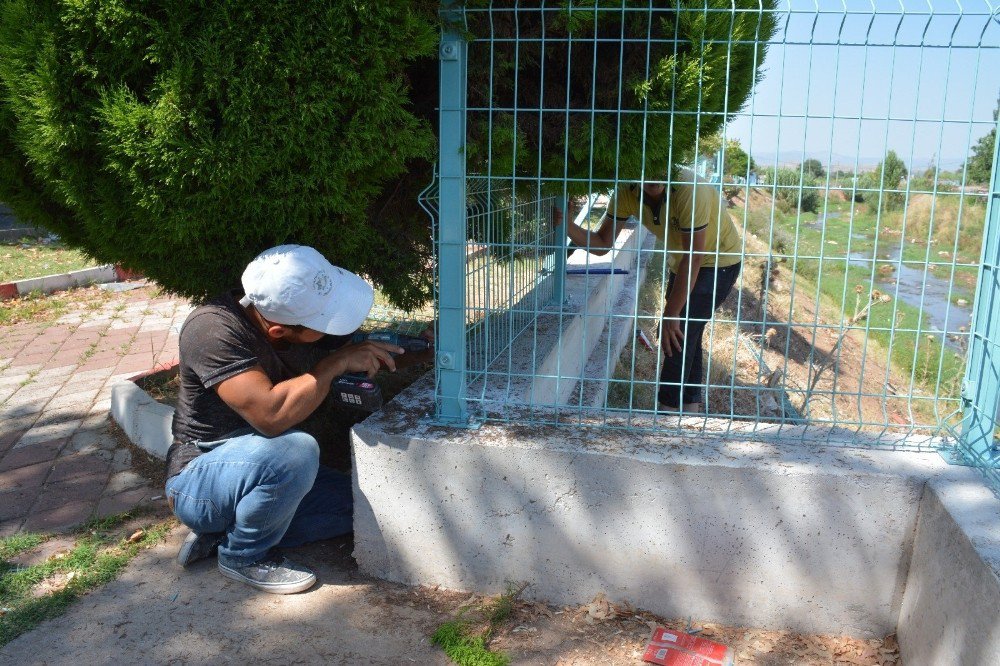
point(157, 612)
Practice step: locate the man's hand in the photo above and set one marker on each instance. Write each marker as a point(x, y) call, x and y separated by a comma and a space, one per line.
point(368, 357)
point(572, 207)
point(672, 337)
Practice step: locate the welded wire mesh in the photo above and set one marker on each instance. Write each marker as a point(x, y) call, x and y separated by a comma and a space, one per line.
point(839, 141)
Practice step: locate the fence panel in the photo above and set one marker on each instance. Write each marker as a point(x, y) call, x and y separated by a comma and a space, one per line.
point(841, 143)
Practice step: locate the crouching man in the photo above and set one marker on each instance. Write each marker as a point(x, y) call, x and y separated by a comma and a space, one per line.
point(253, 366)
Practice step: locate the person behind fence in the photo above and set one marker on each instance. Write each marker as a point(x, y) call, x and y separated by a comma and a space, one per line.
point(704, 256)
point(239, 474)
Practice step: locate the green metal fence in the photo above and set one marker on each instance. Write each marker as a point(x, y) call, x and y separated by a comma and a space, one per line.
point(844, 142)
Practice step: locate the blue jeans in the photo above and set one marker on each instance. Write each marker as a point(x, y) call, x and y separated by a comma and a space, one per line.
point(262, 492)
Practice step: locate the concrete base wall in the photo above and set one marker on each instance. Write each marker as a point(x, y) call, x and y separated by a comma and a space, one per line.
point(951, 608)
point(768, 535)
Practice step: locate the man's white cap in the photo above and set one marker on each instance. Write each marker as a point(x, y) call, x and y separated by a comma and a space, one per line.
point(295, 284)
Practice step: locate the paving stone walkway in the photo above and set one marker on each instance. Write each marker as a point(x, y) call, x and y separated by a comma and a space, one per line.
point(59, 462)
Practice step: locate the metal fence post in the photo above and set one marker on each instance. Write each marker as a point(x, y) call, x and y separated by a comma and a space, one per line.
point(981, 389)
point(560, 256)
point(451, 241)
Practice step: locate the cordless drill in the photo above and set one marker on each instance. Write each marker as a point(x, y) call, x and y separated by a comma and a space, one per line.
point(355, 389)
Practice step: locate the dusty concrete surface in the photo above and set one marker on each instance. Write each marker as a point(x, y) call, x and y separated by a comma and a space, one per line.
point(158, 613)
point(750, 533)
point(949, 613)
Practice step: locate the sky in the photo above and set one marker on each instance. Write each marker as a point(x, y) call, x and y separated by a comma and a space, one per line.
point(923, 84)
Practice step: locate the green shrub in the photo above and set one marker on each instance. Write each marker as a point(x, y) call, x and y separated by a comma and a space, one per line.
point(181, 138)
point(792, 189)
point(882, 187)
point(979, 166)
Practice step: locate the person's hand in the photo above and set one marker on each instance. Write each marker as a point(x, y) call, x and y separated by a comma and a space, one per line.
point(672, 337)
point(367, 357)
point(572, 207)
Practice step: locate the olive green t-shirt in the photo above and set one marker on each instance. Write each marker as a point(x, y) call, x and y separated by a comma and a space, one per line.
point(684, 208)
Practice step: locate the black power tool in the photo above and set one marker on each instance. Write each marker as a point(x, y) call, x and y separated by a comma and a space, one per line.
point(355, 389)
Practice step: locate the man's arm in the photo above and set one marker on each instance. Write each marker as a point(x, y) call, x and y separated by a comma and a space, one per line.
point(687, 274)
point(274, 408)
point(596, 242)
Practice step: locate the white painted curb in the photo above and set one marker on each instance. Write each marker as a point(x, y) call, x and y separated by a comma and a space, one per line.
point(146, 422)
point(60, 281)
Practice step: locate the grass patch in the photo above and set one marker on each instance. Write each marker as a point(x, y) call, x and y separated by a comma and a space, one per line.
point(34, 258)
point(466, 639)
point(34, 593)
point(857, 232)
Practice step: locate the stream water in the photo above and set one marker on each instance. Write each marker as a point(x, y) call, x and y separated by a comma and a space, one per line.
point(922, 289)
point(914, 285)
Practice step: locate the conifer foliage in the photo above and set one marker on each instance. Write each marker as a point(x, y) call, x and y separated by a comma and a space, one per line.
point(180, 138)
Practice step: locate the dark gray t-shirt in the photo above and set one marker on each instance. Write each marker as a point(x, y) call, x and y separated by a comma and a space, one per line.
point(219, 341)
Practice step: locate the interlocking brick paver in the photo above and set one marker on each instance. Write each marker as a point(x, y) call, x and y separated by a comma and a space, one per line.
point(75, 398)
point(6, 392)
point(68, 515)
point(74, 465)
point(17, 503)
point(31, 476)
point(75, 385)
point(11, 411)
point(121, 460)
point(79, 489)
point(59, 462)
point(90, 441)
point(10, 527)
point(20, 371)
point(30, 455)
point(44, 431)
point(31, 360)
point(110, 505)
point(36, 391)
point(8, 438)
point(15, 379)
point(17, 423)
point(53, 374)
point(125, 480)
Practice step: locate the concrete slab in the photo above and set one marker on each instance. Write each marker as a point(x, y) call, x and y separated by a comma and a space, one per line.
point(791, 536)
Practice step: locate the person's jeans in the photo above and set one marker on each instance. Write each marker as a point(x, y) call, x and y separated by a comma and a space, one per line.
point(262, 492)
point(682, 375)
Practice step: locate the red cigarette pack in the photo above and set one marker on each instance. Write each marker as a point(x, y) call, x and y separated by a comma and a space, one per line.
point(676, 648)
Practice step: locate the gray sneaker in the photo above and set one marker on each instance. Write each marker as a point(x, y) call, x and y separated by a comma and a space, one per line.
point(198, 547)
point(274, 574)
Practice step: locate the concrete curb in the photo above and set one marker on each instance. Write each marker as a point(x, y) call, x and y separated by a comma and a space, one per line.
point(12, 235)
point(59, 281)
point(146, 422)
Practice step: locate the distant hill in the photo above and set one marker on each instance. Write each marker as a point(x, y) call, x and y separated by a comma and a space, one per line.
point(842, 162)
